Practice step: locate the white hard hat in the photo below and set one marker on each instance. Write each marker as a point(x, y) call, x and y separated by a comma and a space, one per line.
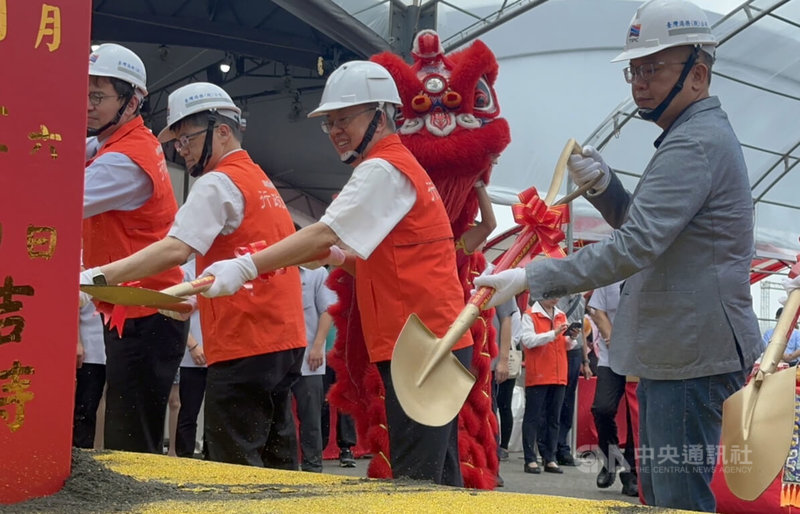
point(661, 24)
point(194, 98)
point(112, 60)
point(355, 83)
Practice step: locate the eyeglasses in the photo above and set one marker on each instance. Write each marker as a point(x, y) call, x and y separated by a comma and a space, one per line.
point(183, 141)
point(645, 72)
point(96, 98)
point(343, 122)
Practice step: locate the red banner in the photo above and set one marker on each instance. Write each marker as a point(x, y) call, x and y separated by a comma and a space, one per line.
point(44, 49)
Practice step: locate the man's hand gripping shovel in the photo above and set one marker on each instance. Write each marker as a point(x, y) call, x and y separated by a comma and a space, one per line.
point(758, 420)
point(430, 382)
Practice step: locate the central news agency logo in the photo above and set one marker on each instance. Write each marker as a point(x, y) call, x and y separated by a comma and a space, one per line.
point(634, 32)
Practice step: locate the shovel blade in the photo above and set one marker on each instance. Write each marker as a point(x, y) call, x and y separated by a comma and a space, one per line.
point(130, 296)
point(763, 446)
point(437, 399)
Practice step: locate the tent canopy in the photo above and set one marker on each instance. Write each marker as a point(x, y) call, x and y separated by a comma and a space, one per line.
point(555, 82)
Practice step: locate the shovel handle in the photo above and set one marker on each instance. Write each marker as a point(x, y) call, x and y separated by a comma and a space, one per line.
point(189, 288)
point(527, 238)
point(524, 244)
point(777, 343)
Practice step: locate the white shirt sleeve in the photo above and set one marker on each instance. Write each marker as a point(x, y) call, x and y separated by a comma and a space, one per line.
point(373, 201)
point(530, 339)
point(113, 182)
point(214, 206)
point(516, 328)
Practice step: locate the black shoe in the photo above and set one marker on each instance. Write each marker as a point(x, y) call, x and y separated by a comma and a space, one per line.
point(605, 478)
point(565, 460)
point(630, 484)
point(500, 482)
point(551, 467)
point(502, 454)
point(533, 469)
point(346, 459)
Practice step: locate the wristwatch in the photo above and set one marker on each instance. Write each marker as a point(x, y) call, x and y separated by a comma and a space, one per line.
point(98, 278)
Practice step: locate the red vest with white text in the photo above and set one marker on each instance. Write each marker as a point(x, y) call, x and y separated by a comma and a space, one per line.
point(112, 235)
point(269, 317)
point(413, 270)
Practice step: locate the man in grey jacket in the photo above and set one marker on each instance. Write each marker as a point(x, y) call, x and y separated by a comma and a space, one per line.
point(683, 241)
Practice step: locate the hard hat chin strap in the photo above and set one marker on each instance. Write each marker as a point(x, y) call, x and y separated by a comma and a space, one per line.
point(201, 163)
point(654, 114)
point(90, 132)
point(350, 156)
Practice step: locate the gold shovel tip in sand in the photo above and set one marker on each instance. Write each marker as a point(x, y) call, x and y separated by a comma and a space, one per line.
point(759, 418)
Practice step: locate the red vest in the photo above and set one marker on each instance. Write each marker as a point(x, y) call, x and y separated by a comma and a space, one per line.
point(546, 364)
point(269, 317)
point(112, 235)
point(413, 270)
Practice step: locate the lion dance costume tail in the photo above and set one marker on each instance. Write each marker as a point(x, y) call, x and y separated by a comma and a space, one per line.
point(450, 122)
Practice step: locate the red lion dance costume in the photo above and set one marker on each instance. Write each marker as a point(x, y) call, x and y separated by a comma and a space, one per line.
point(450, 123)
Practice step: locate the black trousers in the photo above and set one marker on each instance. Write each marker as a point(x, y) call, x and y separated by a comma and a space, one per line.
point(90, 379)
point(540, 423)
point(607, 395)
point(308, 398)
point(345, 426)
point(418, 451)
point(248, 410)
point(140, 368)
point(574, 359)
point(191, 389)
point(501, 402)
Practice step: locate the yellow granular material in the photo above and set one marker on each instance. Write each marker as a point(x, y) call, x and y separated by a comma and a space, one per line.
point(209, 487)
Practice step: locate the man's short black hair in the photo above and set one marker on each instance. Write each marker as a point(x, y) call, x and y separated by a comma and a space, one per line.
point(125, 90)
point(200, 119)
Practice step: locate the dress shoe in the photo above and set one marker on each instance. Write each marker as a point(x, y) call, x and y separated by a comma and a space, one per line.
point(346, 459)
point(605, 478)
point(552, 467)
point(533, 469)
point(630, 484)
point(502, 454)
point(565, 460)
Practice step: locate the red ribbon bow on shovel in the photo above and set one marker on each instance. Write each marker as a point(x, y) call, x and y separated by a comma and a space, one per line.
point(542, 220)
point(252, 248)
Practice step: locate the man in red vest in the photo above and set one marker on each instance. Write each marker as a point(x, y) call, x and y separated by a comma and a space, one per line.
point(128, 204)
point(253, 340)
point(390, 216)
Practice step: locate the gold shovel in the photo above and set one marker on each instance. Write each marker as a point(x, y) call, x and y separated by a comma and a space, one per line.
point(757, 420)
point(430, 383)
point(140, 296)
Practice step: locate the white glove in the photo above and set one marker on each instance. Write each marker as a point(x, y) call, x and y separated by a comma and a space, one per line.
point(229, 275)
point(789, 285)
point(586, 167)
point(507, 284)
point(86, 277)
point(488, 271)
